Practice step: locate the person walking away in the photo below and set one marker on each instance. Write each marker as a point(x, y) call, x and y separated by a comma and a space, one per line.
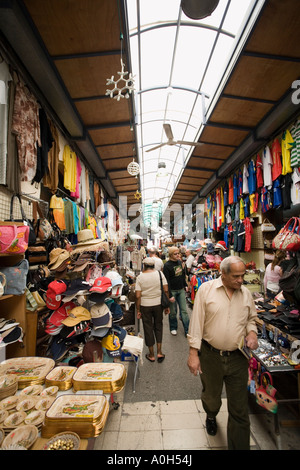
point(273, 274)
point(149, 308)
point(158, 263)
point(190, 258)
point(175, 275)
point(224, 313)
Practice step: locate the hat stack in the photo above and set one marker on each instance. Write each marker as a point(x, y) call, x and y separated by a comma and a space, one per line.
point(108, 377)
point(85, 415)
point(54, 294)
point(59, 259)
point(54, 323)
point(82, 261)
point(87, 242)
point(28, 370)
point(116, 283)
point(75, 288)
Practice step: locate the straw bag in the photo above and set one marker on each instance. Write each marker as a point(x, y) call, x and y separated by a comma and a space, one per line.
point(289, 236)
point(13, 238)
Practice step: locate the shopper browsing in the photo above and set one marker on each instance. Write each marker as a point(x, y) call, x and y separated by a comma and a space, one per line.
point(175, 275)
point(224, 313)
point(149, 309)
point(273, 274)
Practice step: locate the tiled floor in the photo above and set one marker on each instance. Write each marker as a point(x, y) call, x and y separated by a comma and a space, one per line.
point(173, 425)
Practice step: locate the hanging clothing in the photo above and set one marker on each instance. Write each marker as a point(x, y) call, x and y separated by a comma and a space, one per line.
point(5, 79)
point(50, 179)
point(245, 179)
point(76, 193)
point(286, 183)
point(277, 163)
point(277, 198)
point(251, 177)
point(267, 166)
point(58, 208)
point(287, 144)
point(259, 172)
point(70, 168)
point(295, 187)
point(13, 176)
point(42, 150)
point(26, 126)
point(295, 151)
point(230, 190)
point(248, 234)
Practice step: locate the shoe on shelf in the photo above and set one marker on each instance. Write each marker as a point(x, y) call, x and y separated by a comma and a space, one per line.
point(211, 426)
point(173, 332)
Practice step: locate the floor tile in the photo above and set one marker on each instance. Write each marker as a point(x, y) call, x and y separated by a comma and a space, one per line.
point(141, 408)
point(140, 423)
point(182, 439)
point(181, 421)
point(135, 440)
point(178, 406)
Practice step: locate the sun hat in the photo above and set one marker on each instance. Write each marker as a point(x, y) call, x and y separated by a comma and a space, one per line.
point(86, 237)
point(210, 248)
point(57, 256)
point(76, 315)
point(101, 284)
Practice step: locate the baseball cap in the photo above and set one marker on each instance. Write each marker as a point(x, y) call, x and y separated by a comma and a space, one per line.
point(101, 284)
point(120, 332)
point(53, 294)
point(222, 245)
point(61, 313)
point(77, 286)
point(76, 315)
point(101, 316)
point(92, 350)
point(112, 345)
point(98, 297)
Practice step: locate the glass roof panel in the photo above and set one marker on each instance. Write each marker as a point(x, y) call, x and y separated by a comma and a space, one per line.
point(174, 59)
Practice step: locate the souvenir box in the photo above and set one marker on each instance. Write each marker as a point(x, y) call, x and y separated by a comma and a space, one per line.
point(108, 377)
point(28, 370)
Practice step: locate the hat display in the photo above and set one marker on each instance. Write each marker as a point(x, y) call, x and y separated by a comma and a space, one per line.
point(101, 284)
point(221, 245)
point(98, 297)
point(86, 237)
point(100, 332)
point(92, 351)
point(76, 315)
point(76, 287)
point(53, 294)
point(210, 248)
point(56, 257)
point(112, 344)
point(101, 316)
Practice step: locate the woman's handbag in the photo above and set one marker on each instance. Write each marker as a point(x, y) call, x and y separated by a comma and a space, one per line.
point(165, 302)
point(13, 238)
point(266, 226)
point(24, 220)
point(289, 236)
point(2, 284)
point(265, 393)
point(16, 278)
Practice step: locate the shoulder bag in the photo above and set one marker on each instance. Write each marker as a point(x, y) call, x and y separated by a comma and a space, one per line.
point(24, 220)
point(289, 236)
point(165, 302)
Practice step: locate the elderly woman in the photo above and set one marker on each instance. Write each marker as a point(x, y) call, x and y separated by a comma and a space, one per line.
point(149, 309)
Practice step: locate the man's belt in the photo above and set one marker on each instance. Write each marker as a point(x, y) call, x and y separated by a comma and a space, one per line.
point(219, 351)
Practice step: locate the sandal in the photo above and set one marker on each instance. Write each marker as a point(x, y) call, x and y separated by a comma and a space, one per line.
point(161, 358)
point(148, 357)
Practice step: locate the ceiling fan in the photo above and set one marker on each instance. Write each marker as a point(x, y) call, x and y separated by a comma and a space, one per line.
point(171, 141)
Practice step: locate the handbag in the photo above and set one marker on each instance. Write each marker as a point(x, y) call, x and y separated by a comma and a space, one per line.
point(13, 238)
point(265, 393)
point(24, 220)
point(2, 283)
point(16, 278)
point(288, 237)
point(165, 302)
point(266, 226)
point(44, 229)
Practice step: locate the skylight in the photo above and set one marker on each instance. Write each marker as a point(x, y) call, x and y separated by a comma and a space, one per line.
point(178, 64)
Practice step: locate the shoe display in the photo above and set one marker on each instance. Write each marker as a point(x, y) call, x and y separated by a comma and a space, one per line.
point(211, 426)
point(173, 332)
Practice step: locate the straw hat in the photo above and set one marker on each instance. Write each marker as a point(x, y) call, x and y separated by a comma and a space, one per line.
point(86, 237)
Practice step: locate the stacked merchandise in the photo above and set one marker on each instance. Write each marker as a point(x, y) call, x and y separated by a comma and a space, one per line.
point(85, 415)
point(28, 370)
point(109, 378)
point(60, 377)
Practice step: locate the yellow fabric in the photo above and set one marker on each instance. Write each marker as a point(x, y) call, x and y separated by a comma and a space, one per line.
point(57, 205)
point(287, 144)
point(70, 169)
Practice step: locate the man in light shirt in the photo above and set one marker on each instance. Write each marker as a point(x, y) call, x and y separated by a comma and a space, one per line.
point(158, 263)
point(224, 313)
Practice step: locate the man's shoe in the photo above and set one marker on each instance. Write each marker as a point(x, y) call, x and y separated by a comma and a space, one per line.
point(211, 426)
point(173, 332)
